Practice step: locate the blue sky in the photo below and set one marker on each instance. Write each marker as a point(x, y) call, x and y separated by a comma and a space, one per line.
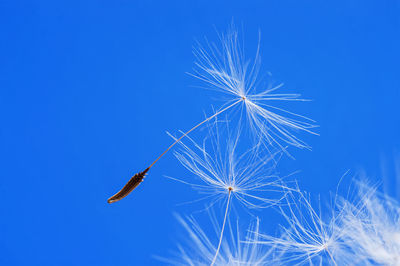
point(89, 88)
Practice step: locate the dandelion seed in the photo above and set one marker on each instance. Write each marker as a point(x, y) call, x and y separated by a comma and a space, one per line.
point(223, 175)
point(226, 70)
point(199, 248)
point(363, 230)
point(308, 239)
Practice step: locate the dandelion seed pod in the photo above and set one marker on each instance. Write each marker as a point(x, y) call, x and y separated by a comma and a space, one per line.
point(131, 185)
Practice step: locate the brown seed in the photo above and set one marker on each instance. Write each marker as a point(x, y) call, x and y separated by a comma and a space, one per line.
point(131, 185)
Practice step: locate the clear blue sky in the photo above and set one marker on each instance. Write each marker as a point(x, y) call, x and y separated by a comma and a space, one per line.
point(88, 89)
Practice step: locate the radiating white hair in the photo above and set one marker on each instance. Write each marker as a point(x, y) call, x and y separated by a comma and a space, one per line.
point(218, 167)
point(199, 247)
point(224, 68)
point(310, 237)
point(363, 230)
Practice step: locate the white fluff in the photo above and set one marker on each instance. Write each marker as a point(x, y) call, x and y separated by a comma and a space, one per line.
point(310, 237)
point(226, 69)
point(198, 249)
point(373, 227)
point(217, 167)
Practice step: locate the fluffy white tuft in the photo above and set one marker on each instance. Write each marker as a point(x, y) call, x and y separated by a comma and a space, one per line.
point(373, 226)
point(311, 238)
point(226, 69)
point(219, 168)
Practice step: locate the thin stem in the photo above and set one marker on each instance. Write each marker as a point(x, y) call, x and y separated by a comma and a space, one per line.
point(330, 255)
point(223, 227)
point(193, 128)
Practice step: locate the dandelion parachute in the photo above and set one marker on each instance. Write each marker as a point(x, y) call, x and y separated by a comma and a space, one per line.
point(227, 70)
point(223, 174)
point(310, 238)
